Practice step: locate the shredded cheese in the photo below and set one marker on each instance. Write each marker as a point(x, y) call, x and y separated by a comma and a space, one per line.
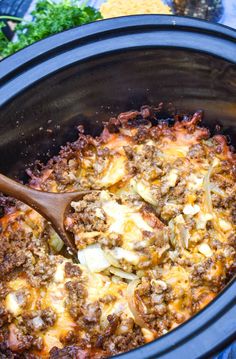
point(114, 8)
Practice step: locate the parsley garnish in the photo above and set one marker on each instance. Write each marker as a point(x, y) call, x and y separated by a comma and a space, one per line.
point(48, 18)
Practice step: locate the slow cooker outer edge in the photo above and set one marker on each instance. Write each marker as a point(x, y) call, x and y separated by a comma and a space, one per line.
point(18, 81)
point(201, 336)
point(90, 32)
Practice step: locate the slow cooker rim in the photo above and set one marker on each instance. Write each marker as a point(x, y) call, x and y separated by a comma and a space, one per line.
point(162, 347)
point(50, 56)
point(55, 42)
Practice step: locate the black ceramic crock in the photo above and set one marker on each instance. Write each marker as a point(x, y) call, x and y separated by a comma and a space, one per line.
point(88, 74)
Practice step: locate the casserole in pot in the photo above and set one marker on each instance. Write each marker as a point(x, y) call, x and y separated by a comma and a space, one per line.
point(157, 59)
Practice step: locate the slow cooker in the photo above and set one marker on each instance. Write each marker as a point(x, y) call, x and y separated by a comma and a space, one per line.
point(88, 74)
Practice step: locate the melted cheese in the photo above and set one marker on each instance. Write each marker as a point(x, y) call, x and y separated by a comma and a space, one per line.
point(172, 178)
point(174, 149)
point(116, 172)
point(99, 286)
point(194, 182)
point(205, 249)
point(191, 210)
point(224, 225)
point(203, 218)
point(59, 275)
point(14, 300)
point(126, 221)
point(12, 304)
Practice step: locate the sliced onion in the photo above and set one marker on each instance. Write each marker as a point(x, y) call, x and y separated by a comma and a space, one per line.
point(217, 190)
point(205, 249)
point(191, 210)
point(87, 235)
point(93, 257)
point(208, 200)
point(129, 256)
point(55, 242)
point(132, 306)
point(172, 178)
point(179, 228)
point(12, 304)
point(120, 273)
point(172, 233)
point(184, 235)
point(207, 188)
point(111, 259)
point(144, 191)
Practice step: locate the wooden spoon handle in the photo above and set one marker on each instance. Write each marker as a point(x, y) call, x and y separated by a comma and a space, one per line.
point(51, 205)
point(17, 190)
point(39, 200)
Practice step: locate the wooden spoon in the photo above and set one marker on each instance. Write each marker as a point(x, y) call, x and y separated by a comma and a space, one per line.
point(51, 206)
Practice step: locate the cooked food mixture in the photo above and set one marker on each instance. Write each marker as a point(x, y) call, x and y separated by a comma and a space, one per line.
point(156, 240)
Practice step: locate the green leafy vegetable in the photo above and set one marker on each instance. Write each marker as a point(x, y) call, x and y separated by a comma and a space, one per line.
point(3, 39)
point(48, 18)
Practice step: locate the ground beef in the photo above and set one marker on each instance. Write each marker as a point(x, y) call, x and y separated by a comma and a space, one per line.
point(111, 240)
point(224, 203)
point(102, 162)
point(116, 344)
point(72, 270)
point(6, 353)
point(5, 316)
point(233, 214)
point(196, 151)
point(204, 273)
point(70, 352)
point(3, 291)
point(170, 211)
point(42, 272)
point(155, 294)
point(13, 253)
point(113, 322)
point(69, 338)
point(19, 341)
point(87, 217)
point(38, 320)
point(76, 298)
point(109, 298)
point(7, 205)
point(22, 251)
point(179, 190)
point(232, 240)
point(92, 314)
point(147, 162)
